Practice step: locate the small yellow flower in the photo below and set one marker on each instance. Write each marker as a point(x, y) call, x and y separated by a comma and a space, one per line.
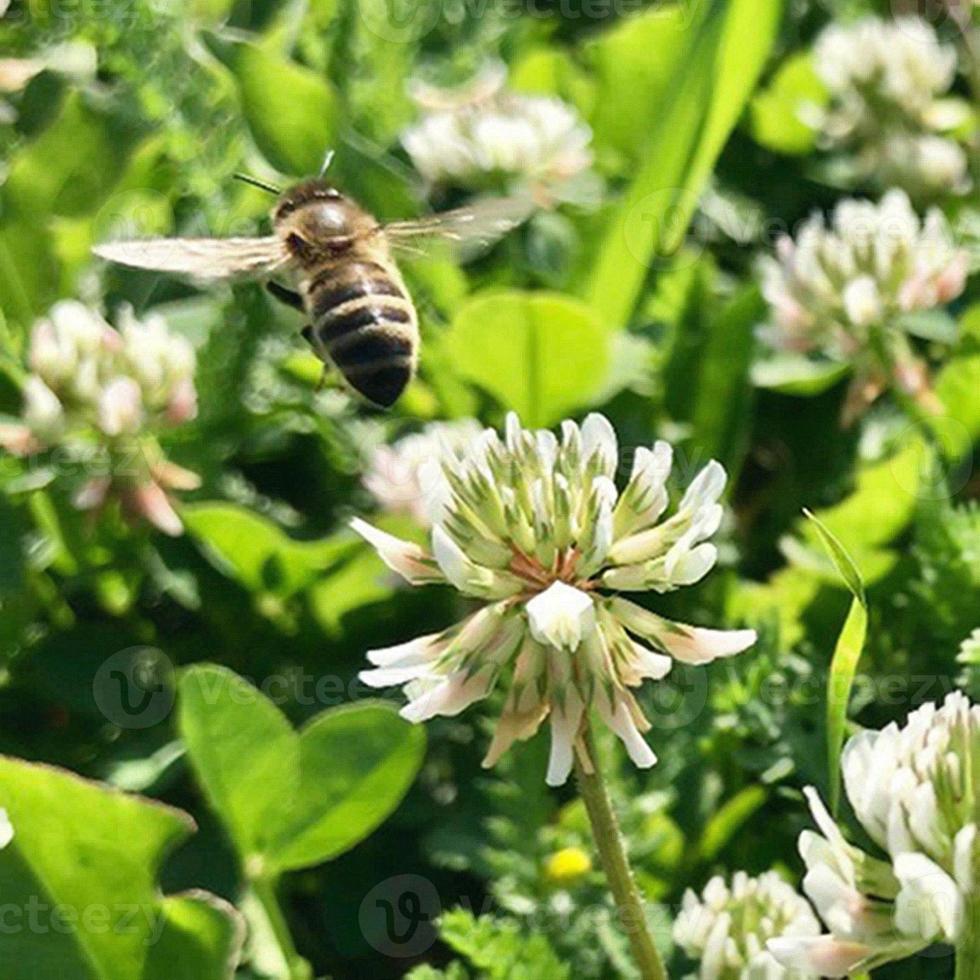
point(567, 865)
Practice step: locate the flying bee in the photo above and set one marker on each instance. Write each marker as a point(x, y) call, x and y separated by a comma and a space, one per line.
point(362, 318)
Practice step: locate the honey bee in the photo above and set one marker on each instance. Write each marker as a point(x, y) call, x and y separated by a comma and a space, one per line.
point(362, 318)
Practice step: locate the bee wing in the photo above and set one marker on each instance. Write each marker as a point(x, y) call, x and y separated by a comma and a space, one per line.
point(470, 228)
point(200, 258)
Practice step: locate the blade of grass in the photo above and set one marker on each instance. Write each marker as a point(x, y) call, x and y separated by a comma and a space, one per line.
point(847, 653)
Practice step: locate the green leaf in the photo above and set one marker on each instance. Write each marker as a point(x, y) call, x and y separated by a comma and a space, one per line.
point(292, 112)
point(294, 799)
point(724, 824)
point(244, 751)
point(776, 111)
point(882, 503)
point(956, 386)
point(634, 64)
point(847, 653)
point(797, 375)
point(356, 764)
point(85, 858)
point(500, 947)
point(720, 416)
point(253, 550)
point(540, 354)
point(72, 166)
point(708, 90)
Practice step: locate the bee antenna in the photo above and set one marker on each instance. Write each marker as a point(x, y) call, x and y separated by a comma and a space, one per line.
point(255, 182)
point(327, 160)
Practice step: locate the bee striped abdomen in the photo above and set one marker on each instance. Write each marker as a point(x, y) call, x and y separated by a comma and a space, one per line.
point(365, 322)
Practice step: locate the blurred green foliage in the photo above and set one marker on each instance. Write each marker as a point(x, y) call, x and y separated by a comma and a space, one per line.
point(639, 306)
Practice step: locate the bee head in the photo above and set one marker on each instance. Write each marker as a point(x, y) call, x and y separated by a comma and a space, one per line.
point(314, 217)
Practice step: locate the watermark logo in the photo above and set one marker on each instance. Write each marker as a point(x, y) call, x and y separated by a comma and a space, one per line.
point(134, 688)
point(398, 916)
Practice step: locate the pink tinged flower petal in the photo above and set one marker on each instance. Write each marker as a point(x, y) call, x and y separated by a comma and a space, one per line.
point(92, 494)
point(821, 955)
point(561, 616)
point(404, 557)
point(182, 405)
point(690, 644)
point(120, 407)
point(148, 500)
point(18, 439)
point(173, 477)
point(525, 707)
point(566, 718)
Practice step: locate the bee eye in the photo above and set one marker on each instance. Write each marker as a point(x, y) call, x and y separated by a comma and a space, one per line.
point(297, 243)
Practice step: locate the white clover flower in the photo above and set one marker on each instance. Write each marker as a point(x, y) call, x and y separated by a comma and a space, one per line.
point(406, 477)
point(89, 381)
point(875, 65)
point(483, 135)
point(887, 81)
point(914, 791)
point(842, 290)
point(726, 928)
point(536, 527)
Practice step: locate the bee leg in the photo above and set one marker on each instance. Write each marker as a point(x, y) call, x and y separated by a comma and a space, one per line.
point(288, 296)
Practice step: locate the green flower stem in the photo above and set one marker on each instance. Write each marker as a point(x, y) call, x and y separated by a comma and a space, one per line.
point(968, 948)
point(612, 854)
point(264, 889)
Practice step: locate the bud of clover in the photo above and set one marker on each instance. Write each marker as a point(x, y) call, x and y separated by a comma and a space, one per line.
point(914, 790)
point(726, 928)
point(841, 291)
point(536, 528)
point(94, 386)
point(483, 136)
point(395, 473)
point(887, 82)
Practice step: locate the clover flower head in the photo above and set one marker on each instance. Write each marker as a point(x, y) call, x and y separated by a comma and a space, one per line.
point(887, 81)
point(727, 926)
point(913, 790)
point(399, 475)
point(900, 63)
point(534, 526)
point(483, 135)
point(842, 289)
point(92, 384)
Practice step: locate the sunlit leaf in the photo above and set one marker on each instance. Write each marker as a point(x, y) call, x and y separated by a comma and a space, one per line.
point(87, 858)
point(540, 354)
point(293, 799)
